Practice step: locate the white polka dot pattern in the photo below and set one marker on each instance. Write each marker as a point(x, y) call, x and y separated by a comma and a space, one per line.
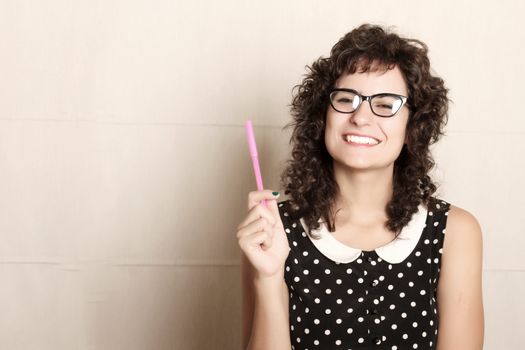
point(370, 302)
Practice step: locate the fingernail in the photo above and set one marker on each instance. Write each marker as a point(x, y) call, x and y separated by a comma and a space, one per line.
point(275, 193)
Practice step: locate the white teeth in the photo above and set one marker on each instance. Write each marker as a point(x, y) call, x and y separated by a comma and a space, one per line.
point(361, 139)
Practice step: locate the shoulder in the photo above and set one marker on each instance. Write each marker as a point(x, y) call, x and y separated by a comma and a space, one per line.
point(290, 214)
point(282, 204)
point(462, 230)
point(288, 209)
point(436, 204)
point(463, 233)
point(283, 207)
point(461, 220)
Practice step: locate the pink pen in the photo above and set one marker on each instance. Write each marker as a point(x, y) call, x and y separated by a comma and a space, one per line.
point(253, 154)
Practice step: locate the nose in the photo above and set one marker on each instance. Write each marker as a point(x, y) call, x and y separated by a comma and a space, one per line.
point(362, 115)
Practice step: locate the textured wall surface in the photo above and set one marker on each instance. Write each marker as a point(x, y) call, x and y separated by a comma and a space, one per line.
point(124, 169)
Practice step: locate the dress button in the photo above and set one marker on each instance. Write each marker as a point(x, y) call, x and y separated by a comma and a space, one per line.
point(374, 283)
point(377, 341)
point(374, 312)
point(369, 259)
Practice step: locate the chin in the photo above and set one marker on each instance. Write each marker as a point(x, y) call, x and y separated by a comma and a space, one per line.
point(356, 165)
point(360, 165)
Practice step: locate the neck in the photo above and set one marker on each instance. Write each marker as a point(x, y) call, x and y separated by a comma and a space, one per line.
point(363, 194)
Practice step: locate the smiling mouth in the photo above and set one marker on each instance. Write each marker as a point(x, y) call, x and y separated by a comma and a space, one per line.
point(362, 140)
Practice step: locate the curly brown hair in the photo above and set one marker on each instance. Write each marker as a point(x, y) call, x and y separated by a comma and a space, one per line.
point(308, 176)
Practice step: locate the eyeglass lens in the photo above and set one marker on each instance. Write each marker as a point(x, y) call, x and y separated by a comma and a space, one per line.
point(348, 102)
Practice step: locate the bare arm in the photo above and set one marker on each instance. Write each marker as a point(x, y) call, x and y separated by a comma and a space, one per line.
point(459, 293)
point(248, 300)
point(264, 312)
point(264, 246)
point(270, 319)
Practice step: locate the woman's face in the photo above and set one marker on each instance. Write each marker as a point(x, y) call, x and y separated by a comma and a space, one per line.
point(388, 133)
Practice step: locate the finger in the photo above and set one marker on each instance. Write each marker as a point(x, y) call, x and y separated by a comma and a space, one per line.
point(255, 241)
point(274, 210)
point(259, 211)
point(258, 225)
point(255, 197)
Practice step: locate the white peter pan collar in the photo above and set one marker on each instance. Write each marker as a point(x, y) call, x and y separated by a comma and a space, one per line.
point(393, 252)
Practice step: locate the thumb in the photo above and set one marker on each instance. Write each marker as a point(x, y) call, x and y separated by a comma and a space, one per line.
point(272, 206)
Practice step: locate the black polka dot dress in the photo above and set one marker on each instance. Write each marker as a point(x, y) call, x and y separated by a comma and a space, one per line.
point(344, 298)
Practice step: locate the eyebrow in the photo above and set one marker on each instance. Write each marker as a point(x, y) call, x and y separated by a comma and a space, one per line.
point(378, 93)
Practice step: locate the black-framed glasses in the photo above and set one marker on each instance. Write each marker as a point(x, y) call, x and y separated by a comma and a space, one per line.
point(382, 105)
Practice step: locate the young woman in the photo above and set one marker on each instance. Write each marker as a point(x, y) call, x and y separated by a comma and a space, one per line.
point(357, 258)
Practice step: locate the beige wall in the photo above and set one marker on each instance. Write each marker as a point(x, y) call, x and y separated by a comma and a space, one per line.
point(124, 169)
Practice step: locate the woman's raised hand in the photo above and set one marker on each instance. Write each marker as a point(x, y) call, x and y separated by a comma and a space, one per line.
point(261, 235)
